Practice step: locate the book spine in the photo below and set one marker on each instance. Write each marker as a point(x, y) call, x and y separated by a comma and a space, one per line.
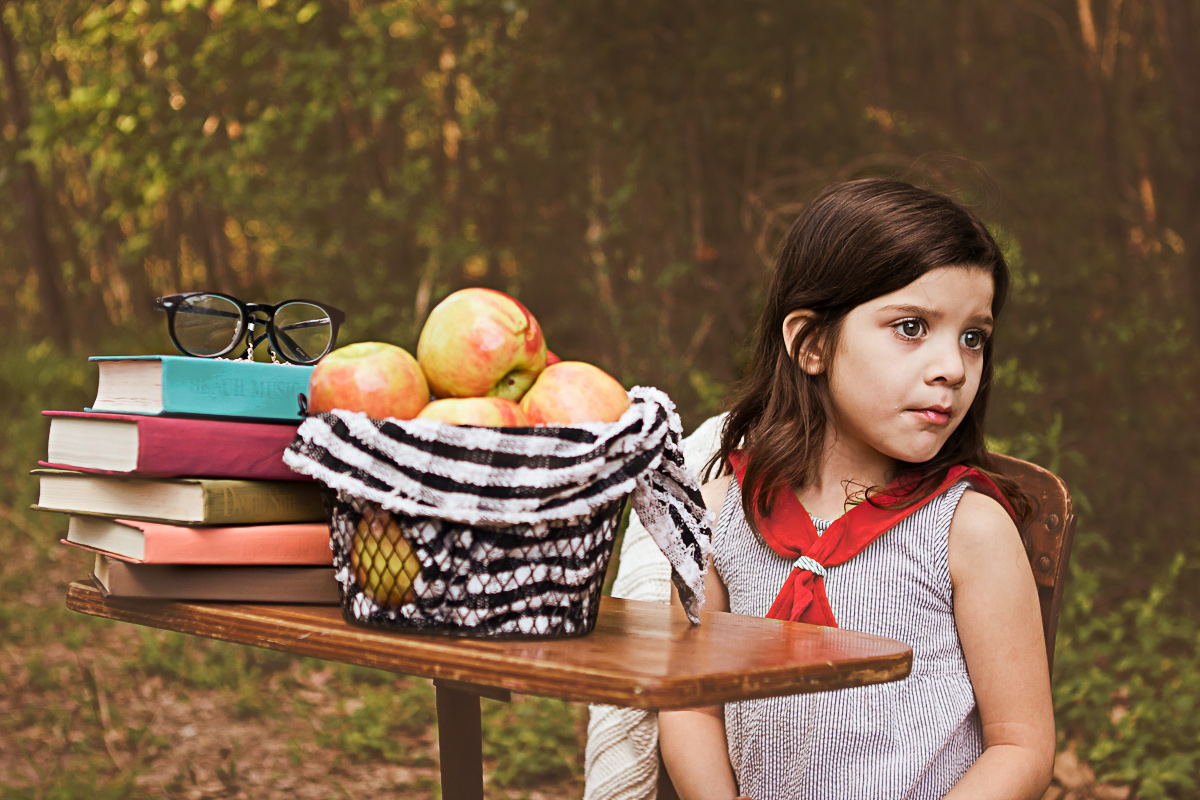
point(238, 502)
point(233, 388)
point(259, 544)
point(309, 585)
point(207, 448)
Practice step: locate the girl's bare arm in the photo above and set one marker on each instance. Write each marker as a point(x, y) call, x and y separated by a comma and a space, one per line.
point(999, 624)
point(692, 740)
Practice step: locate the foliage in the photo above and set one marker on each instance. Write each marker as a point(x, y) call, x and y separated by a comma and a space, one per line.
point(1128, 679)
point(626, 171)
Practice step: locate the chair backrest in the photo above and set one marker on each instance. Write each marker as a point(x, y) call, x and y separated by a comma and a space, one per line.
point(1047, 536)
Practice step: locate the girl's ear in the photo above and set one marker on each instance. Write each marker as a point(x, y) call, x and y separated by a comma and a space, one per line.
point(811, 359)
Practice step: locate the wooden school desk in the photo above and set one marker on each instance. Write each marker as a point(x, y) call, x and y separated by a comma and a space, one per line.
point(640, 655)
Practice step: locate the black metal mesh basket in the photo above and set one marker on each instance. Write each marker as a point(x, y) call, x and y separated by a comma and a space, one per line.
point(409, 573)
point(499, 532)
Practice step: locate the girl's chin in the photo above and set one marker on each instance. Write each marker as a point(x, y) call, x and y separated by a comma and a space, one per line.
point(916, 455)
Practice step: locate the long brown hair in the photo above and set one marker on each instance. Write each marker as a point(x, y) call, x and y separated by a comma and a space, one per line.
point(854, 242)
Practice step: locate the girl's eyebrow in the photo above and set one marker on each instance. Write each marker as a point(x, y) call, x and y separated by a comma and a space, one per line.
point(982, 320)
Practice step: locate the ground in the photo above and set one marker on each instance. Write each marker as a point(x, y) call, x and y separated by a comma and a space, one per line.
point(102, 709)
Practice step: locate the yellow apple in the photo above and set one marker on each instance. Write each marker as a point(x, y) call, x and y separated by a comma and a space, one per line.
point(383, 561)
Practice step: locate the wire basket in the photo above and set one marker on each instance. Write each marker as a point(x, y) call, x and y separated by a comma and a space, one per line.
point(498, 532)
point(411, 573)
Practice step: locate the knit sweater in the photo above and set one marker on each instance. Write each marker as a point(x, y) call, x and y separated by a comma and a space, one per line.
point(621, 758)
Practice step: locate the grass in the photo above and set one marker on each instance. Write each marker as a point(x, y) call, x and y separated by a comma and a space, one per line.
point(135, 712)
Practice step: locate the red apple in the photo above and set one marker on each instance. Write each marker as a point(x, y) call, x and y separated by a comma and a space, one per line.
point(379, 379)
point(574, 392)
point(551, 358)
point(479, 342)
point(486, 412)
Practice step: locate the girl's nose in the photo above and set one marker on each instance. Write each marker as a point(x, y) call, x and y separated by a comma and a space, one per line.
point(947, 364)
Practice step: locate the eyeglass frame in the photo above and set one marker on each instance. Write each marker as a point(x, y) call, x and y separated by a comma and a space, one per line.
point(246, 320)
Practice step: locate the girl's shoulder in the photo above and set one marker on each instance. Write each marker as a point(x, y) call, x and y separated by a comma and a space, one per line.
point(714, 493)
point(981, 530)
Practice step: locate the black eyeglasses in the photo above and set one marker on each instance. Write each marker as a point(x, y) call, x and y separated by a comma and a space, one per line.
point(211, 325)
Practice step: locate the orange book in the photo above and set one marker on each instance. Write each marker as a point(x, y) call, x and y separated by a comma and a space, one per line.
point(159, 543)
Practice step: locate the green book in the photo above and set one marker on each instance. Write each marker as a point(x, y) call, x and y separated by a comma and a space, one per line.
point(194, 501)
point(203, 386)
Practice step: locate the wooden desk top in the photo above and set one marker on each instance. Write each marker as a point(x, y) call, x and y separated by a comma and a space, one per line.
point(640, 655)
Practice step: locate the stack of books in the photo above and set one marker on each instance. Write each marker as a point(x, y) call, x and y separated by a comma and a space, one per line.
point(175, 479)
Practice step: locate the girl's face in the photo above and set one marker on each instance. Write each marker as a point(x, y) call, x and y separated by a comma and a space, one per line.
point(908, 366)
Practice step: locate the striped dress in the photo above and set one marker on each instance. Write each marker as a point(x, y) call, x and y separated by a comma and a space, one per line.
point(909, 739)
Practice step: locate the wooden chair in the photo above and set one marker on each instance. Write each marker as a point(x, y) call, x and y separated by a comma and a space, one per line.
point(1047, 536)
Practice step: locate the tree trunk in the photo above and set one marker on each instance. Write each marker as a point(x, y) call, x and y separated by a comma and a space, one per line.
point(56, 319)
point(1182, 43)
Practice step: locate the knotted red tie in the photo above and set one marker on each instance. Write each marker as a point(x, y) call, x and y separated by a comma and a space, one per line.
point(790, 532)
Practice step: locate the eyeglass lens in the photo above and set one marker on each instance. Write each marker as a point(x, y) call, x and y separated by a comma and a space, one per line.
point(207, 325)
point(302, 331)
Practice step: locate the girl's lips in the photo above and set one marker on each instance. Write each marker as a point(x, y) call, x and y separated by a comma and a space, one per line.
point(936, 416)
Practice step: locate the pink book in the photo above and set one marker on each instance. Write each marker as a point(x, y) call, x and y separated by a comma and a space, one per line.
point(160, 543)
point(167, 447)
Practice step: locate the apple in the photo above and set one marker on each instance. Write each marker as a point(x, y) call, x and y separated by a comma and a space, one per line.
point(551, 358)
point(481, 343)
point(379, 379)
point(383, 561)
point(574, 392)
point(487, 412)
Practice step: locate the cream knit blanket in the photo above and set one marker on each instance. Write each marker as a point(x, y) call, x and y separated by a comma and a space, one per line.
point(621, 759)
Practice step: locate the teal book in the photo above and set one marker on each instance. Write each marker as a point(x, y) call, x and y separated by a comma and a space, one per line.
point(200, 386)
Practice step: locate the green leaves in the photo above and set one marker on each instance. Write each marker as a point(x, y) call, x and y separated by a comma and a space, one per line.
point(307, 12)
point(1127, 679)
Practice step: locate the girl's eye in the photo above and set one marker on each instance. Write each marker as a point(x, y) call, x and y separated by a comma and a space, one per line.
point(974, 340)
point(910, 328)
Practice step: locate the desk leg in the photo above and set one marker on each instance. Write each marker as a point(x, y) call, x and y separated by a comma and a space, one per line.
point(460, 744)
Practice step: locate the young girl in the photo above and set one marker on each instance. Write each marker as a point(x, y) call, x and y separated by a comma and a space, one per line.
point(860, 497)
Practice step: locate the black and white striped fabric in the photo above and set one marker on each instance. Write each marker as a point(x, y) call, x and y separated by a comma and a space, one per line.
point(544, 499)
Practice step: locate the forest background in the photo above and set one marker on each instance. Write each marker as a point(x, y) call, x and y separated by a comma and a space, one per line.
point(624, 167)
